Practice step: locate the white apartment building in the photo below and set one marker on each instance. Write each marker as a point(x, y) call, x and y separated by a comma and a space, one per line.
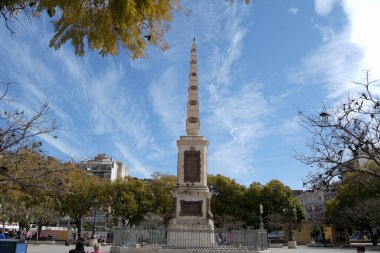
point(104, 167)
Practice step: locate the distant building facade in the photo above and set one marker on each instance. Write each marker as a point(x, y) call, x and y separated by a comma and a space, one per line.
point(314, 205)
point(104, 167)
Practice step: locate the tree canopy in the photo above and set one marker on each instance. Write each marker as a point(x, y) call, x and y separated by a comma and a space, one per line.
point(106, 26)
point(128, 200)
point(357, 203)
point(235, 205)
point(279, 203)
point(160, 194)
point(227, 200)
point(21, 161)
point(83, 195)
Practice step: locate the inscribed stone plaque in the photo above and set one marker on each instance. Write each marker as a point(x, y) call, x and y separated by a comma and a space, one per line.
point(192, 166)
point(193, 119)
point(191, 208)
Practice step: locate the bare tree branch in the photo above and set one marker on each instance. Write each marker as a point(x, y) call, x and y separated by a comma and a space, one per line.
point(343, 139)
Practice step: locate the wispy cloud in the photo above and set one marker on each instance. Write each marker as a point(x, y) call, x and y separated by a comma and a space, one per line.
point(333, 65)
point(289, 126)
point(241, 114)
point(88, 101)
point(134, 165)
point(324, 7)
point(222, 60)
point(238, 109)
point(241, 123)
point(167, 102)
point(294, 10)
point(63, 146)
point(345, 53)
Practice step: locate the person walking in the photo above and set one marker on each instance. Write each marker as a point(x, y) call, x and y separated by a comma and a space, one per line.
point(2, 236)
point(97, 248)
point(79, 248)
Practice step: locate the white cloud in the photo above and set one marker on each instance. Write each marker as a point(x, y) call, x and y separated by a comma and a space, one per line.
point(294, 10)
point(164, 93)
point(87, 103)
point(345, 53)
point(63, 146)
point(241, 120)
point(233, 161)
point(324, 7)
point(334, 65)
point(327, 33)
point(241, 113)
point(289, 126)
point(234, 118)
point(222, 61)
point(363, 17)
point(134, 165)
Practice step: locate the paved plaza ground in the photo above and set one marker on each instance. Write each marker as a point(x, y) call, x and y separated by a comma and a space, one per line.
point(106, 249)
point(60, 248)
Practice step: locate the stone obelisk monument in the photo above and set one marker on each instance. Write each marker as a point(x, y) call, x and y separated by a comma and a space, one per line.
point(192, 223)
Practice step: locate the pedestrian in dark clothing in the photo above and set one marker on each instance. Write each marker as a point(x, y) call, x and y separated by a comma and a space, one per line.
point(79, 248)
point(2, 235)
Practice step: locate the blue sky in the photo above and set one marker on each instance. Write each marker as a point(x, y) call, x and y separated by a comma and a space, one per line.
point(257, 64)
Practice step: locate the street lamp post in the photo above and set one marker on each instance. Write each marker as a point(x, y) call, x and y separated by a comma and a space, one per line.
point(94, 225)
point(261, 218)
point(93, 238)
point(291, 240)
point(291, 234)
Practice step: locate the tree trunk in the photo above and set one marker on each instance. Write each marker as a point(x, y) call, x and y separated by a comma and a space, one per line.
point(371, 234)
point(39, 228)
point(78, 222)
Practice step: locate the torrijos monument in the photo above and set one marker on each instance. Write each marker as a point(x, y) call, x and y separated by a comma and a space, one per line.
point(191, 228)
point(191, 210)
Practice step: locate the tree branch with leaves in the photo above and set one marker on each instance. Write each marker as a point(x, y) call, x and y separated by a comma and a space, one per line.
point(21, 161)
point(107, 26)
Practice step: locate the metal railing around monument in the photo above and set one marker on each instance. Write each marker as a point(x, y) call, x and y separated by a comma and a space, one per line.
point(219, 239)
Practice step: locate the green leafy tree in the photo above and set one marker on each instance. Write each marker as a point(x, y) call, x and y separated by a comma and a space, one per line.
point(21, 162)
point(27, 207)
point(84, 193)
point(32, 171)
point(128, 201)
point(251, 206)
point(105, 25)
point(278, 201)
point(357, 203)
point(160, 194)
point(227, 200)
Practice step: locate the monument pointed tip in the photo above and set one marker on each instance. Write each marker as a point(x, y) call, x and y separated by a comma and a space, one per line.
point(194, 39)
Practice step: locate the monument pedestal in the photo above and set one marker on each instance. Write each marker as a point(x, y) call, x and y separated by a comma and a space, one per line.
point(185, 235)
point(292, 244)
point(192, 224)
